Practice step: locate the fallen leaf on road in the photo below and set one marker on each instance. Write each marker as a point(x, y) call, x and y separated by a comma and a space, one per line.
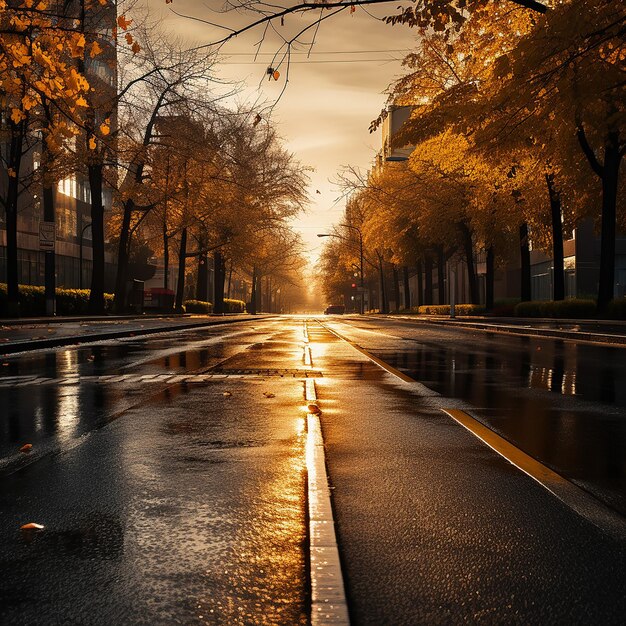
point(32, 526)
point(91, 357)
point(227, 394)
point(313, 408)
point(269, 394)
point(27, 447)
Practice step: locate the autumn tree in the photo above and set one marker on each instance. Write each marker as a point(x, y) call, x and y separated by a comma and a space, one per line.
point(43, 94)
point(170, 80)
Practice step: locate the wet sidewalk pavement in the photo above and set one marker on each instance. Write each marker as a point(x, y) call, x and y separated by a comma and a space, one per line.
point(40, 334)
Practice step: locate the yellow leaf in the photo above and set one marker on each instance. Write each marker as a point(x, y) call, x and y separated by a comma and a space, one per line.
point(27, 447)
point(105, 129)
point(17, 115)
point(32, 526)
point(95, 49)
point(92, 143)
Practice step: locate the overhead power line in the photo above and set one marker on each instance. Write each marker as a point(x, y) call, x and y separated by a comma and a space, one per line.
point(316, 52)
point(386, 60)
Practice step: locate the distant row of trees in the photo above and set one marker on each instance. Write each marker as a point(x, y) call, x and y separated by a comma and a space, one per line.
point(518, 129)
point(103, 94)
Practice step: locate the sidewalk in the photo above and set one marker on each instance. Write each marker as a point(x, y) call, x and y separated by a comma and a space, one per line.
point(595, 331)
point(42, 333)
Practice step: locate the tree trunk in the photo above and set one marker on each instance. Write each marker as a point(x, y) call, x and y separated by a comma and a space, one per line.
point(14, 163)
point(50, 262)
point(202, 279)
point(609, 175)
point(468, 247)
point(489, 279)
point(396, 287)
point(96, 296)
point(428, 271)
point(407, 288)
point(384, 307)
point(610, 180)
point(525, 288)
point(182, 258)
point(219, 271)
point(253, 286)
point(121, 277)
point(230, 279)
point(441, 275)
point(166, 257)
point(420, 283)
point(557, 239)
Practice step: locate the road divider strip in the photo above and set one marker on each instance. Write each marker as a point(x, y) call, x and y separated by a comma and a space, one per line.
point(328, 598)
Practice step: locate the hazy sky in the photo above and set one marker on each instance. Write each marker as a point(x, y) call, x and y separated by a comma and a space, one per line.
point(331, 97)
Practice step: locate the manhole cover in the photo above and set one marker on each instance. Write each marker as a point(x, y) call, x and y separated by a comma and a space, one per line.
point(282, 373)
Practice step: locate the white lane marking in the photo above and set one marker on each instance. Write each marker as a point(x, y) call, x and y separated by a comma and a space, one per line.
point(328, 597)
point(307, 356)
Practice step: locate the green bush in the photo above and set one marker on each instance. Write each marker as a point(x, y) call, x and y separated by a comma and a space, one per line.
point(444, 309)
point(504, 307)
point(32, 301)
point(617, 309)
point(571, 308)
point(234, 306)
point(198, 306)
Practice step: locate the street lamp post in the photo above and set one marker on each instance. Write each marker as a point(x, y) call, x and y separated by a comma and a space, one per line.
point(361, 257)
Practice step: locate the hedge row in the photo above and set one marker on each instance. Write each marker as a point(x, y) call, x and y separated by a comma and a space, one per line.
point(32, 301)
point(617, 309)
point(570, 308)
point(234, 306)
point(200, 306)
point(197, 306)
point(444, 309)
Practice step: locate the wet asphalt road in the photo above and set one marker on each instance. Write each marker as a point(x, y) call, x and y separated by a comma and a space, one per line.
point(561, 402)
point(162, 503)
point(166, 501)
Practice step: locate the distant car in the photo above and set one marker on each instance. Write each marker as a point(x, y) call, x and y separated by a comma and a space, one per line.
point(335, 309)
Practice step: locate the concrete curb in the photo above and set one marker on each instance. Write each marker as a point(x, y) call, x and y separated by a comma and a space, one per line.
point(29, 321)
point(56, 342)
point(552, 333)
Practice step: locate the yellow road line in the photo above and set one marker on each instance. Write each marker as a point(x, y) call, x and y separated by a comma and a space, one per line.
point(577, 499)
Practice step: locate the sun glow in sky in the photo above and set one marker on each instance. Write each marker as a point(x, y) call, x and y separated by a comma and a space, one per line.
point(332, 96)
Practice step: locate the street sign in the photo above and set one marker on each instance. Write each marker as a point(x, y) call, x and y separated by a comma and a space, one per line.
point(47, 236)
